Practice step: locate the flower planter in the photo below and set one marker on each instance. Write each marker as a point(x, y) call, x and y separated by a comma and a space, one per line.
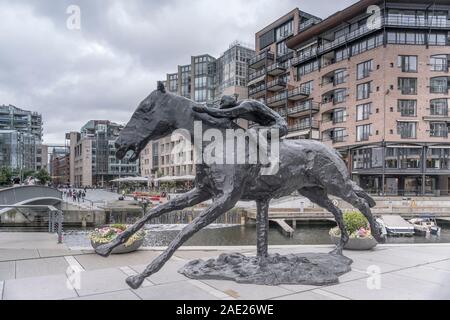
point(356, 243)
point(106, 234)
point(122, 248)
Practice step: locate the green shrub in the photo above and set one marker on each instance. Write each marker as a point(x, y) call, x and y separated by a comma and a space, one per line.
point(354, 220)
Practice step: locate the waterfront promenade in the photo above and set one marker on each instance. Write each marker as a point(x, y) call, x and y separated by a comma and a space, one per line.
point(33, 266)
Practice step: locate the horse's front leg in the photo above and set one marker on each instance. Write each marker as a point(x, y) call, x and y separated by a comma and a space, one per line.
point(209, 215)
point(188, 199)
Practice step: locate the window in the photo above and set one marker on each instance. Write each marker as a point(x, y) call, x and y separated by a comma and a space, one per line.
point(408, 63)
point(338, 135)
point(282, 49)
point(364, 69)
point(307, 87)
point(339, 77)
point(307, 68)
point(407, 108)
point(342, 54)
point(284, 31)
point(339, 96)
point(439, 63)
point(439, 107)
point(438, 158)
point(439, 85)
point(438, 129)
point(361, 158)
point(407, 85)
point(406, 37)
point(363, 111)
point(339, 115)
point(363, 91)
point(363, 132)
point(407, 130)
point(437, 39)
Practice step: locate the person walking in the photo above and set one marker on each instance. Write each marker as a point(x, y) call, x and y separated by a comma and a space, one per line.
point(83, 195)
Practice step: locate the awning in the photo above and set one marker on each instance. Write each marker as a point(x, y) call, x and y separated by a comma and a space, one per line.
point(131, 179)
point(175, 178)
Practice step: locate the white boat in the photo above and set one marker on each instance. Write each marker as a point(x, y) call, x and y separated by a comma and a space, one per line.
point(397, 226)
point(425, 224)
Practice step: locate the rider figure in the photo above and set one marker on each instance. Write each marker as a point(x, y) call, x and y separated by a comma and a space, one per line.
point(251, 110)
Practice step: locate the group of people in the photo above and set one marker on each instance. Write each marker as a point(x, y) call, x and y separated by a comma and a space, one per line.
point(75, 195)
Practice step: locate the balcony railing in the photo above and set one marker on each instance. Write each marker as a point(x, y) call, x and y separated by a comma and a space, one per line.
point(276, 68)
point(307, 24)
point(304, 106)
point(277, 98)
point(280, 83)
point(304, 125)
point(256, 74)
point(299, 91)
point(385, 21)
point(253, 62)
point(257, 89)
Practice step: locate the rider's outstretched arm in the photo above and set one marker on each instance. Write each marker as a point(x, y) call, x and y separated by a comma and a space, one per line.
point(233, 112)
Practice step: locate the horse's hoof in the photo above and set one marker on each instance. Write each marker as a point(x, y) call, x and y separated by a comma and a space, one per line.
point(134, 281)
point(104, 250)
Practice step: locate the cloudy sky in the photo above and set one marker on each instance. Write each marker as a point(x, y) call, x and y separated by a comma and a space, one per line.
point(104, 69)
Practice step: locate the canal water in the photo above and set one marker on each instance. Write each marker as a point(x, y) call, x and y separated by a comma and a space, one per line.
point(235, 235)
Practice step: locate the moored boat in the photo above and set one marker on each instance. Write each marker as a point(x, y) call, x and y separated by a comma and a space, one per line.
point(425, 224)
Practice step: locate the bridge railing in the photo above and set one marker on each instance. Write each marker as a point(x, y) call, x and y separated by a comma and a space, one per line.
point(20, 194)
point(55, 217)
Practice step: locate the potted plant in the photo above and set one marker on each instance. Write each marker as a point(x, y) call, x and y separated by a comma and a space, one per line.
point(360, 237)
point(106, 234)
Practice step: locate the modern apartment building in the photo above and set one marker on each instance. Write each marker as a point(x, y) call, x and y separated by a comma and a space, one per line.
point(92, 159)
point(204, 80)
point(374, 85)
point(59, 164)
point(21, 139)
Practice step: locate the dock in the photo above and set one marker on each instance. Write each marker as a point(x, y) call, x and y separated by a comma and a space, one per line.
point(286, 229)
point(397, 226)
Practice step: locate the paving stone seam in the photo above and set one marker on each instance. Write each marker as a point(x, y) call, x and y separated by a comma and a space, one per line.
point(209, 289)
point(328, 294)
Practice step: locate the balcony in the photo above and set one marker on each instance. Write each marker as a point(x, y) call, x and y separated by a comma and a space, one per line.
point(308, 24)
point(259, 60)
point(277, 100)
point(256, 74)
point(303, 108)
point(303, 57)
point(258, 91)
point(298, 93)
point(304, 125)
point(276, 69)
point(276, 85)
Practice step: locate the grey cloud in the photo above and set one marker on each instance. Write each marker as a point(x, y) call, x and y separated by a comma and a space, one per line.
point(111, 64)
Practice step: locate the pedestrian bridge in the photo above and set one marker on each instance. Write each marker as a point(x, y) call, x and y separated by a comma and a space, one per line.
point(30, 195)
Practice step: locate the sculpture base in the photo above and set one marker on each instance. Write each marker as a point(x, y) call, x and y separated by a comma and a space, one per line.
point(305, 268)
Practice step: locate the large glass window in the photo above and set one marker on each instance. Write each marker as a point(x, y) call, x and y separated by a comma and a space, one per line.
point(438, 158)
point(407, 129)
point(284, 31)
point(339, 115)
point(406, 37)
point(407, 108)
point(439, 107)
point(339, 96)
point(364, 69)
point(363, 111)
point(439, 63)
point(407, 85)
point(408, 63)
point(363, 132)
point(439, 85)
point(437, 39)
point(438, 129)
point(363, 91)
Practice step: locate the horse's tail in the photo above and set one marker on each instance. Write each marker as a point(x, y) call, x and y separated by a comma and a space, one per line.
point(362, 194)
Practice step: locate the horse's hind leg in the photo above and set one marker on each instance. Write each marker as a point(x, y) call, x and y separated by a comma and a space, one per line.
point(262, 227)
point(320, 197)
point(188, 199)
point(219, 206)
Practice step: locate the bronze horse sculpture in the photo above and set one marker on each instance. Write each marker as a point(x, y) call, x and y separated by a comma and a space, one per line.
point(309, 167)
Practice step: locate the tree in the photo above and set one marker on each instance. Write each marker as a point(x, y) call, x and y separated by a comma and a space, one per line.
point(5, 176)
point(43, 176)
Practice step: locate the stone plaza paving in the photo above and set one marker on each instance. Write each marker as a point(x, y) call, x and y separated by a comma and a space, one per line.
point(34, 266)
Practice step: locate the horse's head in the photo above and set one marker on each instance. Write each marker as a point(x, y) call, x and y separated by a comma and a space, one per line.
point(152, 120)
